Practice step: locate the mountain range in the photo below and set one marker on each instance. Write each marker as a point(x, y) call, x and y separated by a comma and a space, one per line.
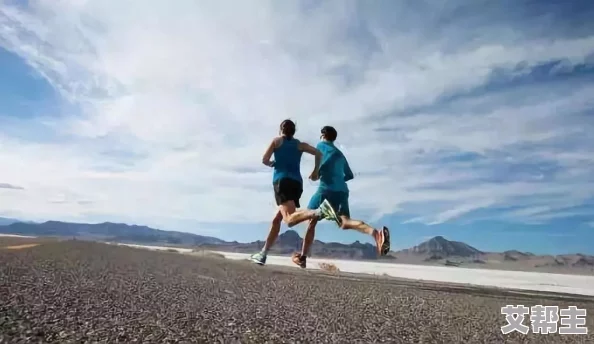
point(437, 250)
point(287, 243)
point(107, 231)
point(7, 221)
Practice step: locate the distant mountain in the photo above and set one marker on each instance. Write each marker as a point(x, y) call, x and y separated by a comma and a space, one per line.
point(289, 242)
point(7, 221)
point(108, 231)
point(514, 255)
point(439, 248)
point(566, 260)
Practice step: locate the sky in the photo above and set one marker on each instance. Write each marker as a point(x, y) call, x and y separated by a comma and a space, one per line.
point(466, 119)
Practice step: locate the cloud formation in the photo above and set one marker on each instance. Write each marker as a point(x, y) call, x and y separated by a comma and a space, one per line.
point(444, 111)
point(10, 186)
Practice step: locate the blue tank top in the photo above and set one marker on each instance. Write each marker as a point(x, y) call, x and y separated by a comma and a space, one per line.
point(287, 161)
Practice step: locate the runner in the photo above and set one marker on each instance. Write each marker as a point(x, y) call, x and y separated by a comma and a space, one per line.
point(335, 172)
point(288, 184)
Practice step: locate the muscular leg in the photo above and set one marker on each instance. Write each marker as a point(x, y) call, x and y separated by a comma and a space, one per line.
point(299, 216)
point(287, 194)
point(300, 259)
point(381, 237)
point(286, 210)
point(360, 226)
point(309, 237)
point(313, 216)
point(291, 216)
point(274, 230)
point(340, 203)
point(311, 213)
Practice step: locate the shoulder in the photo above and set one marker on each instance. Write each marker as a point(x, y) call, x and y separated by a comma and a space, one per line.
point(339, 151)
point(302, 145)
point(321, 146)
point(277, 141)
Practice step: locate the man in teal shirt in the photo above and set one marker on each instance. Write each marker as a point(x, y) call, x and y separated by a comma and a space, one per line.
point(334, 173)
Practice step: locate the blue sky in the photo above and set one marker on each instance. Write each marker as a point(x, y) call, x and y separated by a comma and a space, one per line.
point(470, 119)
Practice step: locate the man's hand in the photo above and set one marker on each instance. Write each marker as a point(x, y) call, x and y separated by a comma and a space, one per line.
point(268, 154)
point(315, 175)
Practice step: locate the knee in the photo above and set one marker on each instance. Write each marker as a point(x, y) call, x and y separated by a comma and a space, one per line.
point(288, 221)
point(343, 224)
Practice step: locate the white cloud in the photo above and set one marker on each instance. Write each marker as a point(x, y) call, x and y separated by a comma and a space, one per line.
point(10, 186)
point(190, 93)
point(453, 213)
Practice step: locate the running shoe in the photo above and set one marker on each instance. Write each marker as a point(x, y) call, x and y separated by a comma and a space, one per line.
point(258, 258)
point(299, 260)
point(382, 241)
point(328, 212)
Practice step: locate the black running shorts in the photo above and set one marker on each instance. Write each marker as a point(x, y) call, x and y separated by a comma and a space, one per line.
point(287, 189)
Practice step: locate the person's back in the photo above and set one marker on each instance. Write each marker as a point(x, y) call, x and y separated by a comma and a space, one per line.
point(334, 169)
point(332, 198)
point(287, 160)
point(287, 182)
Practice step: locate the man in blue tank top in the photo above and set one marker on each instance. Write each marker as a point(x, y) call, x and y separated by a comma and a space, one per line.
point(288, 184)
point(335, 172)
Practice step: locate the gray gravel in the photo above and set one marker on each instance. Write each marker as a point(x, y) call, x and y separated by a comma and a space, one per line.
point(73, 292)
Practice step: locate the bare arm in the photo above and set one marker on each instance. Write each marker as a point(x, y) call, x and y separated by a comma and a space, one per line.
point(305, 147)
point(268, 154)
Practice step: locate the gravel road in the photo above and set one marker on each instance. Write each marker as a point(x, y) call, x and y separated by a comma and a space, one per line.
point(82, 292)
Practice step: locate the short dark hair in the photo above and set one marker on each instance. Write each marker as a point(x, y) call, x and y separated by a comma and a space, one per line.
point(288, 128)
point(329, 133)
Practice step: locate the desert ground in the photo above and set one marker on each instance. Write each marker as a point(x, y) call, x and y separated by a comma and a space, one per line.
point(564, 264)
point(77, 292)
point(506, 279)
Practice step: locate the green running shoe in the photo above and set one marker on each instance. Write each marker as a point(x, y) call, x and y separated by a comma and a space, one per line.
point(258, 258)
point(328, 212)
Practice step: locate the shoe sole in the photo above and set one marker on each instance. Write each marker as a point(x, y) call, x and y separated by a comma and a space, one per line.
point(256, 261)
point(297, 262)
point(385, 249)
